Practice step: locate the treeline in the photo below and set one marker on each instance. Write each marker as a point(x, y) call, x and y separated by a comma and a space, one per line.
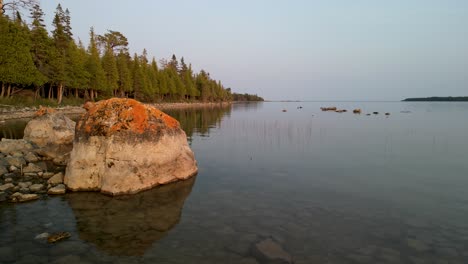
point(246, 97)
point(438, 99)
point(55, 65)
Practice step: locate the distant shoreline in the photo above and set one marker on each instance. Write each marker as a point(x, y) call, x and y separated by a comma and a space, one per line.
point(29, 112)
point(438, 99)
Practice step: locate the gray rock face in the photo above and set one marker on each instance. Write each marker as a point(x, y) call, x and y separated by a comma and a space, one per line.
point(269, 251)
point(124, 147)
point(59, 189)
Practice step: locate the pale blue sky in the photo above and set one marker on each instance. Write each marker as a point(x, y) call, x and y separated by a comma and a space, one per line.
point(298, 49)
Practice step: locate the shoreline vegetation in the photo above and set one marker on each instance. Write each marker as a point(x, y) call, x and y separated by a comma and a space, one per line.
point(9, 112)
point(438, 99)
point(38, 67)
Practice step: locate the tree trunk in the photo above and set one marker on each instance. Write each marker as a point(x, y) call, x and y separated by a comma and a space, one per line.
point(36, 93)
point(3, 87)
point(91, 92)
point(9, 91)
point(59, 93)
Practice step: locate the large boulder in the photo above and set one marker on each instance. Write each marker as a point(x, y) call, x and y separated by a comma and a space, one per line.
point(123, 147)
point(50, 128)
point(53, 133)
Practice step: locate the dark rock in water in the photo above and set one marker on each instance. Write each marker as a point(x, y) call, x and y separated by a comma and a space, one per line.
point(387, 114)
point(3, 197)
point(375, 113)
point(128, 225)
point(58, 237)
point(269, 251)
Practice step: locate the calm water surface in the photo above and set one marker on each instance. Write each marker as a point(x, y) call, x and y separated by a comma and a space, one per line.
point(331, 188)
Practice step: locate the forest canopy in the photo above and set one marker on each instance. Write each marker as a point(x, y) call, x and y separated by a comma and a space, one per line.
point(54, 65)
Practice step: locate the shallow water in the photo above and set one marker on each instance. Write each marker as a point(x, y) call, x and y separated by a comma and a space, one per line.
point(331, 188)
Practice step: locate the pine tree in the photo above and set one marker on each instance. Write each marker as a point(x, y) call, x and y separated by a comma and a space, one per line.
point(109, 65)
point(125, 82)
point(97, 76)
point(41, 44)
point(138, 78)
point(16, 63)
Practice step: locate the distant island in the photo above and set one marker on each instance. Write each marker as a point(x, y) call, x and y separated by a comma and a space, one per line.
point(438, 99)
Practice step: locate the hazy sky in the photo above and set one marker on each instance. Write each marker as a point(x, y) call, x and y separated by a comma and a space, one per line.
point(308, 50)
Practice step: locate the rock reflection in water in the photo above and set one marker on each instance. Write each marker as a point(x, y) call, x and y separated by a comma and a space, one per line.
point(129, 225)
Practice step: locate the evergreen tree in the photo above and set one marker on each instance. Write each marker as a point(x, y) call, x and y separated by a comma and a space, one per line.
point(97, 76)
point(109, 65)
point(138, 78)
point(125, 82)
point(16, 63)
point(77, 75)
point(41, 44)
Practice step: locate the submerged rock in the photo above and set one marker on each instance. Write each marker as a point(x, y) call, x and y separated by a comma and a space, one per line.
point(130, 224)
point(123, 147)
point(269, 251)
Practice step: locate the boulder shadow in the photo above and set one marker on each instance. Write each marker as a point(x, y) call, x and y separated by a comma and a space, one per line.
point(128, 225)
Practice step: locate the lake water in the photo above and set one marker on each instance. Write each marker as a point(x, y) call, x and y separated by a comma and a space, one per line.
point(329, 187)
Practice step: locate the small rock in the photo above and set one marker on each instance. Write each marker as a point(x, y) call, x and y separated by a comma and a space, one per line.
point(56, 179)
point(31, 157)
point(269, 251)
point(16, 161)
point(12, 168)
point(24, 190)
point(32, 168)
point(36, 187)
point(40, 174)
point(24, 184)
point(42, 236)
point(47, 175)
point(6, 187)
point(8, 180)
point(59, 189)
point(24, 197)
point(58, 237)
point(16, 154)
point(3, 170)
point(30, 174)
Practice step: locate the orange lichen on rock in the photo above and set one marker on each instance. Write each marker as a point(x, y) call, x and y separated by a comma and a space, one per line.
point(116, 114)
point(44, 110)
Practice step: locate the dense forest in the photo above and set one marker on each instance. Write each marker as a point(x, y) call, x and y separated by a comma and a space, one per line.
point(39, 64)
point(438, 99)
point(246, 97)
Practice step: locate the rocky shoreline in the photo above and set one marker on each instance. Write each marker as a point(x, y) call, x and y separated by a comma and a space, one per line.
point(11, 112)
point(27, 175)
